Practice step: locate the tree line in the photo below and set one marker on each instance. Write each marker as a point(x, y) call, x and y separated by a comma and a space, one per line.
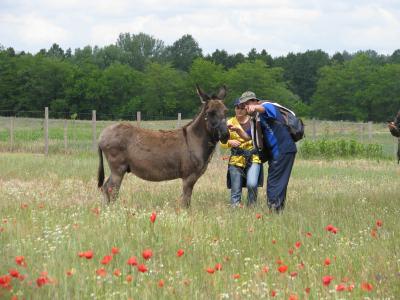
point(141, 73)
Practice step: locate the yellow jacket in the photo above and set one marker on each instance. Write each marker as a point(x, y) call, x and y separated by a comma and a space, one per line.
point(239, 160)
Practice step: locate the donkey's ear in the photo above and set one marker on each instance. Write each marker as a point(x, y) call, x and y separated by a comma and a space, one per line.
point(222, 93)
point(203, 97)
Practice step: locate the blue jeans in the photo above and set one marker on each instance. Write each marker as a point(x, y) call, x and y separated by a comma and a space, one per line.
point(238, 175)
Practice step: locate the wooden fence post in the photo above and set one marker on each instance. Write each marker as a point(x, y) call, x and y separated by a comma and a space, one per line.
point(94, 130)
point(138, 118)
point(314, 129)
point(178, 125)
point(362, 132)
point(12, 133)
point(65, 135)
point(46, 131)
point(370, 131)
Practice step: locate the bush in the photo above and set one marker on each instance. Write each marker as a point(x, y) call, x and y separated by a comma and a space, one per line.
point(339, 149)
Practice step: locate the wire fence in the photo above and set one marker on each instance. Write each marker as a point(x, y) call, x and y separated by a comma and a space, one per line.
point(56, 132)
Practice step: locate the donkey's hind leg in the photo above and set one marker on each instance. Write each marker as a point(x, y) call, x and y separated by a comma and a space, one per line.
point(111, 186)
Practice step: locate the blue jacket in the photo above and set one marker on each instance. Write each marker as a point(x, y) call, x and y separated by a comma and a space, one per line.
point(276, 135)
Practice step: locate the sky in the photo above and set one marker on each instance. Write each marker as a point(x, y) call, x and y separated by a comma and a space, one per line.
point(278, 26)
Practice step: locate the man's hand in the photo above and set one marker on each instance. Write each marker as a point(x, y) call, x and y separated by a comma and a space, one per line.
point(233, 128)
point(234, 143)
point(391, 125)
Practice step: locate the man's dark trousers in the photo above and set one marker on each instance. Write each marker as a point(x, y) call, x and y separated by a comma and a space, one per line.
point(279, 171)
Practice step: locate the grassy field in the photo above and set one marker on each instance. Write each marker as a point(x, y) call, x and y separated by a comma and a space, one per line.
point(51, 214)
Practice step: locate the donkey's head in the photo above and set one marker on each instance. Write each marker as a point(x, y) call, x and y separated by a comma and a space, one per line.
point(215, 114)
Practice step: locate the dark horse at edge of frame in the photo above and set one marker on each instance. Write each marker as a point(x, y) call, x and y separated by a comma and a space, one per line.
point(164, 154)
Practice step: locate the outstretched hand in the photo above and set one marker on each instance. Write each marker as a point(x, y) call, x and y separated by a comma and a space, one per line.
point(234, 143)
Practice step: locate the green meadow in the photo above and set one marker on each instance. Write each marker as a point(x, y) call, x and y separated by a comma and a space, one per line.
point(338, 237)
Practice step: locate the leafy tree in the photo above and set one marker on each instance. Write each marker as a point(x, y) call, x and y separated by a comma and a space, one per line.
point(301, 71)
point(164, 92)
point(119, 84)
point(183, 52)
point(141, 49)
point(348, 91)
point(266, 82)
point(105, 57)
point(56, 51)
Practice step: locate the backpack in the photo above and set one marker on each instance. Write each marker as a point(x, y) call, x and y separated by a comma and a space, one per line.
point(294, 124)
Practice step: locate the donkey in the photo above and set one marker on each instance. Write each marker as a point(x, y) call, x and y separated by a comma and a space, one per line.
point(164, 154)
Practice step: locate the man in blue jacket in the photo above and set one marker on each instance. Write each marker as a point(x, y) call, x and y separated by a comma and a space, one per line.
point(277, 138)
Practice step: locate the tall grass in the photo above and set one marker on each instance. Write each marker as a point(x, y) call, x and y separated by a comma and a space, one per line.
point(51, 211)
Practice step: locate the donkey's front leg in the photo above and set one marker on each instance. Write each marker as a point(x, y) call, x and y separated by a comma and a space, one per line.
point(188, 184)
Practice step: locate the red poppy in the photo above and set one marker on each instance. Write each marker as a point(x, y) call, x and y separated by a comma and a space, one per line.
point(329, 227)
point(161, 283)
point(308, 234)
point(180, 252)
point(5, 281)
point(307, 290)
point(301, 265)
point(14, 273)
point(129, 278)
point(210, 270)
point(153, 217)
point(293, 297)
point(340, 287)
point(81, 254)
point(379, 223)
point(326, 280)
point(327, 261)
point(106, 259)
point(282, 268)
point(42, 280)
point(101, 272)
point(374, 233)
point(236, 276)
point(114, 250)
point(218, 267)
point(350, 287)
point(293, 274)
point(96, 211)
point(258, 216)
point(117, 272)
point(367, 286)
point(20, 260)
point(334, 230)
point(297, 245)
point(265, 269)
point(132, 261)
point(147, 254)
point(70, 272)
point(273, 241)
point(142, 268)
point(273, 293)
point(291, 251)
point(88, 254)
point(279, 262)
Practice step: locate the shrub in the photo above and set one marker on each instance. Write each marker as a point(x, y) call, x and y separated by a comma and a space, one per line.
point(339, 149)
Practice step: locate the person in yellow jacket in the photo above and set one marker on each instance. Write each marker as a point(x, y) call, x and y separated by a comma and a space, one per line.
point(244, 168)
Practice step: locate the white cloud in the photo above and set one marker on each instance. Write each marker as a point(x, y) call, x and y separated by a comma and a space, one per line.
point(276, 26)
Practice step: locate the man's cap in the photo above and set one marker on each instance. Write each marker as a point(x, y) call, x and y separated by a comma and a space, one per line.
point(246, 96)
point(236, 102)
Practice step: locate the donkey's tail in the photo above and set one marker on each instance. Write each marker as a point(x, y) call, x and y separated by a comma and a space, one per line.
point(100, 172)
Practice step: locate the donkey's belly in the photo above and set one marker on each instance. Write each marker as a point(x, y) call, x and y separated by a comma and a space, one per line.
point(155, 169)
